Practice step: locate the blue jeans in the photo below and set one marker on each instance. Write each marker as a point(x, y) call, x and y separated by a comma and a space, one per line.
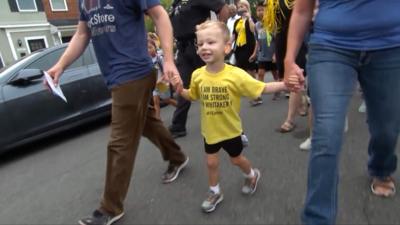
point(333, 75)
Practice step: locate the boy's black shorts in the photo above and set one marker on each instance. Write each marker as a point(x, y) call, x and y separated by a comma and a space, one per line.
point(232, 146)
point(267, 65)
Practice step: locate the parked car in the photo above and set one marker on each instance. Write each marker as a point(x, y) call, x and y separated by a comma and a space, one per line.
point(28, 111)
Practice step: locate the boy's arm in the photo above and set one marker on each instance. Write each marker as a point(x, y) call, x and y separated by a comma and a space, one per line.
point(185, 94)
point(272, 87)
point(182, 91)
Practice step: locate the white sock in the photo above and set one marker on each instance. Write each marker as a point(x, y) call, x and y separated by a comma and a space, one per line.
point(215, 189)
point(251, 174)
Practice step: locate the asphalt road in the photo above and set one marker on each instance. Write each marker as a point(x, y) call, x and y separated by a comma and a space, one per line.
point(59, 180)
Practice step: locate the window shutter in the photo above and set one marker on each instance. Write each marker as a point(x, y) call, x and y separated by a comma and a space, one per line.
point(13, 5)
point(39, 5)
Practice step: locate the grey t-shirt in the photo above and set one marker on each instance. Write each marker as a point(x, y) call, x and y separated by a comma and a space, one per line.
point(265, 51)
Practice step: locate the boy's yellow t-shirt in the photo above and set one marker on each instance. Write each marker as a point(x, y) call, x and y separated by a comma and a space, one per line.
point(219, 95)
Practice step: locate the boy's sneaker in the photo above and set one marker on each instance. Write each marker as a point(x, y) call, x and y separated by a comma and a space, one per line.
point(212, 201)
point(100, 218)
point(250, 184)
point(173, 171)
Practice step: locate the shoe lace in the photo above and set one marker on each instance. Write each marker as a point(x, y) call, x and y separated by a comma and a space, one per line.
point(211, 196)
point(248, 182)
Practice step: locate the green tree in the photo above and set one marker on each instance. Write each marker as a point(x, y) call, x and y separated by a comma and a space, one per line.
point(149, 23)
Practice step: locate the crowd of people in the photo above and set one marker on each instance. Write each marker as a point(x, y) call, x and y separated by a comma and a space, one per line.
point(218, 62)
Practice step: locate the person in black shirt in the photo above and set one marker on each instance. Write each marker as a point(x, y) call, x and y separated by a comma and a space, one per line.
point(185, 15)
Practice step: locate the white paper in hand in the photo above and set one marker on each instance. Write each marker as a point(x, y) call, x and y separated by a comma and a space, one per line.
point(55, 89)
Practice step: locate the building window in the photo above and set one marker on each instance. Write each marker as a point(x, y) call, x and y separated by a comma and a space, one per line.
point(58, 5)
point(26, 5)
point(66, 39)
point(36, 43)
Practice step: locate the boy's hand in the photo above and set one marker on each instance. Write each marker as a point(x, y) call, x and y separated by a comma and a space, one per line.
point(171, 74)
point(176, 81)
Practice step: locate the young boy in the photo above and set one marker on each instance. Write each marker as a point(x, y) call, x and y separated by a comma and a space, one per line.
point(219, 87)
point(162, 92)
point(266, 49)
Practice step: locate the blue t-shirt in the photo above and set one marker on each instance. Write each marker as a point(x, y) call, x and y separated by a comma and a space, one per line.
point(119, 37)
point(357, 24)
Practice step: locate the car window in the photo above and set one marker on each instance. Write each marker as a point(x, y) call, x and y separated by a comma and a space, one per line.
point(92, 52)
point(47, 61)
point(87, 57)
point(77, 63)
point(7, 71)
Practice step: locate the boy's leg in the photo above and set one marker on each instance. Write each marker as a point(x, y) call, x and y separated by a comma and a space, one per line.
point(214, 195)
point(212, 167)
point(243, 163)
point(234, 148)
point(252, 175)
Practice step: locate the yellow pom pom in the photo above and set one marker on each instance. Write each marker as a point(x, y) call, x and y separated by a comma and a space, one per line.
point(271, 21)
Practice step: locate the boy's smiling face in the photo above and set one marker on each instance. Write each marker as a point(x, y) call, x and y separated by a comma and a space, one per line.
point(211, 45)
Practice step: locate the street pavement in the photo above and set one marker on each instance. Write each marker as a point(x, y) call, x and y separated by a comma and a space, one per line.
point(60, 180)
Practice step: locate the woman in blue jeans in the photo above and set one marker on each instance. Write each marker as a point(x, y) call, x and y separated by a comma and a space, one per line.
point(365, 46)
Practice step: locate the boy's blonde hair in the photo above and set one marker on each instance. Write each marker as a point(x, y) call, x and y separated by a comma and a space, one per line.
point(215, 25)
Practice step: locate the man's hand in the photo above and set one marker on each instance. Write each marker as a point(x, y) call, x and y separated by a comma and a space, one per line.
point(294, 77)
point(171, 74)
point(55, 73)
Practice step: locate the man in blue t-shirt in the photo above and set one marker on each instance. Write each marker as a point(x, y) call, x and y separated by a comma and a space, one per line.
point(351, 40)
point(117, 31)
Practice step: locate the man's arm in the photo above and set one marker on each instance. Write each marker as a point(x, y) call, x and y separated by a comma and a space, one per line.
point(75, 48)
point(299, 24)
point(164, 31)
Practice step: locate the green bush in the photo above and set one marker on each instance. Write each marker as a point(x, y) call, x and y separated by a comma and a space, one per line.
point(149, 23)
